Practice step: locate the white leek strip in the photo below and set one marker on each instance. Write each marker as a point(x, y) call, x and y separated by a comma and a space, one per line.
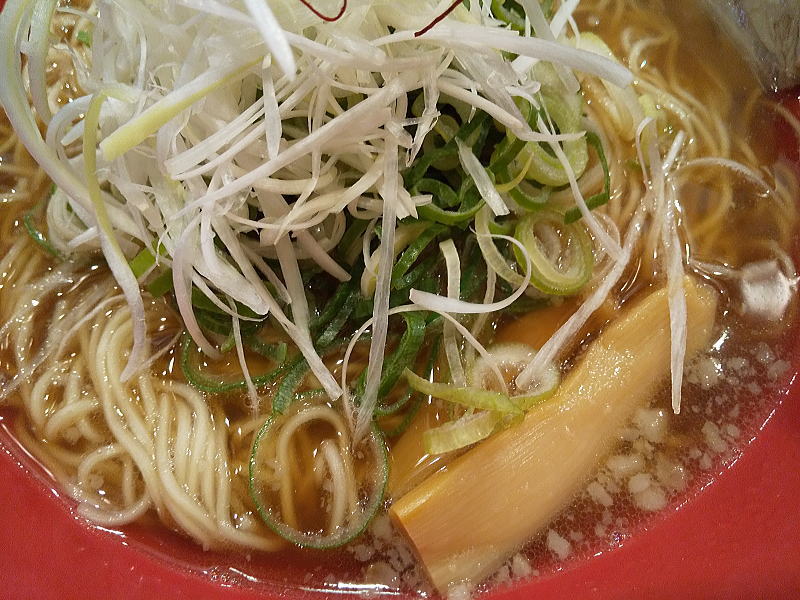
point(517, 127)
point(212, 265)
point(295, 187)
point(429, 115)
point(14, 99)
point(222, 160)
point(481, 103)
point(201, 151)
point(657, 183)
point(491, 74)
point(350, 411)
point(678, 315)
point(380, 313)
point(533, 10)
point(237, 337)
point(488, 298)
point(63, 119)
point(235, 248)
point(549, 352)
point(83, 238)
point(405, 205)
point(38, 46)
point(479, 38)
point(164, 110)
point(609, 245)
point(319, 256)
point(294, 282)
point(272, 118)
point(273, 34)
point(359, 47)
point(366, 241)
point(403, 236)
point(639, 151)
point(74, 134)
point(298, 330)
point(303, 342)
point(81, 14)
point(320, 208)
point(523, 64)
point(495, 261)
point(476, 170)
point(527, 92)
point(456, 305)
point(346, 59)
point(217, 9)
point(182, 269)
point(674, 150)
point(201, 285)
point(114, 256)
point(563, 14)
point(271, 276)
point(453, 264)
point(372, 109)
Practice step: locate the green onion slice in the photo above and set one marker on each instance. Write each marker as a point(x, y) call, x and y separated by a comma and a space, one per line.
point(216, 383)
point(541, 164)
point(560, 254)
point(475, 426)
point(346, 514)
point(601, 198)
point(467, 430)
point(469, 397)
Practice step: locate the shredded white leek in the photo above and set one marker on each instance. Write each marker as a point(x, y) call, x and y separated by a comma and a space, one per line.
point(380, 313)
point(37, 56)
point(451, 346)
point(111, 248)
point(279, 105)
point(478, 173)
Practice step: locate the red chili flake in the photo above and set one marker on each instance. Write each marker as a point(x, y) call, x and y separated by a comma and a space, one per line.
point(438, 19)
point(338, 16)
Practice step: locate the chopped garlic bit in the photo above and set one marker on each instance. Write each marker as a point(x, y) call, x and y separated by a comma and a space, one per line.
point(653, 423)
point(639, 483)
point(713, 437)
point(623, 465)
point(599, 494)
point(651, 499)
point(558, 545)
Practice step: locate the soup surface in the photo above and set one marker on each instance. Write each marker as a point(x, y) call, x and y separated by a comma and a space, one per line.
point(736, 200)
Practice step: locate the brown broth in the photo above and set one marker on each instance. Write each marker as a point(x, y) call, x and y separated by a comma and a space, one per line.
point(732, 387)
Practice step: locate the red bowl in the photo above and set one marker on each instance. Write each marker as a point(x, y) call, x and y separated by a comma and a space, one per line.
point(737, 538)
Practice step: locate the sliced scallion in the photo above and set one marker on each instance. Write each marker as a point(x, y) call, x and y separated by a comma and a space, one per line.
point(463, 432)
point(371, 451)
point(560, 254)
point(469, 397)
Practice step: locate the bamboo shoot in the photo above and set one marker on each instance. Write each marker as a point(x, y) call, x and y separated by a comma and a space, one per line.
point(466, 520)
